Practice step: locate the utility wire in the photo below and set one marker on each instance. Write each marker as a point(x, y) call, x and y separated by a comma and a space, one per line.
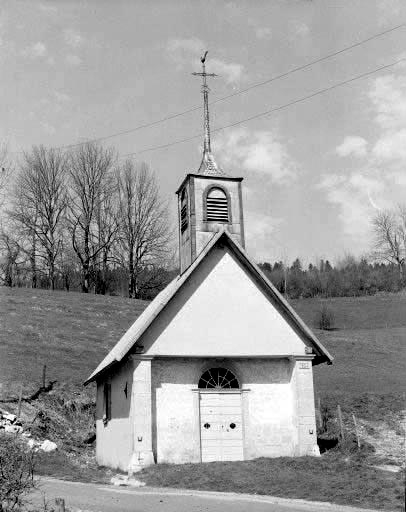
point(267, 112)
point(241, 91)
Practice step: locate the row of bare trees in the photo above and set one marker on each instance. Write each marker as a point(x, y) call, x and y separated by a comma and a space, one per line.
point(82, 212)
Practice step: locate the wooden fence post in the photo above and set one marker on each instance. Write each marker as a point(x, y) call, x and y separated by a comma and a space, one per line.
point(20, 397)
point(340, 420)
point(59, 505)
point(44, 375)
point(356, 431)
point(318, 413)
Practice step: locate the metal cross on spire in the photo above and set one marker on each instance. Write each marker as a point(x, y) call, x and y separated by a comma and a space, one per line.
point(208, 165)
point(205, 91)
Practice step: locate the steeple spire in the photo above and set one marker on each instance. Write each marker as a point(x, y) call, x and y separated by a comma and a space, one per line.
point(208, 165)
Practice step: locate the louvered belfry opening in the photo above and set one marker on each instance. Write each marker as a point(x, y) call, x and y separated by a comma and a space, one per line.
point(217, 206)
point(183, 211)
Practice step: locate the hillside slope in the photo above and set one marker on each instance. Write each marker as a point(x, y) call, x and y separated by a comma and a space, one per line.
point(71, 332)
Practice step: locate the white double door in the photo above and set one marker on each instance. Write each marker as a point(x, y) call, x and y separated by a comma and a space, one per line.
point(221, 426)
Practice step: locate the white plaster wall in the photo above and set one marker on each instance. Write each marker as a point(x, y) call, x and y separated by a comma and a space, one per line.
point(114, 440)
point(268, 402)
point(269, 408)
point(220, 311)
point(176, 431)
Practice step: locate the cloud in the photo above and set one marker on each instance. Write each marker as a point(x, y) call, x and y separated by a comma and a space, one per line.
point(352, 145)
point(388, 97)
point(380, 178)
point(35, 51)
point(259, 231)
point(73, 38)
point(258, 152)
point(355, 195)
point(300, 29)
point(73, 60)
point(187, 53)
point(48, 8)
point(61, 97)
point(231, 72)
point(48, 128)
point(391, 146)
point(263, 32)
point(389, 10)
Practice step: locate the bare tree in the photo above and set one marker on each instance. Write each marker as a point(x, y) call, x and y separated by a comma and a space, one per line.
point(108, 228)
point(144, 229)
point(91, 183)
point(5, 171)
point(390, 237)
point(39, 205)
point(11, 251)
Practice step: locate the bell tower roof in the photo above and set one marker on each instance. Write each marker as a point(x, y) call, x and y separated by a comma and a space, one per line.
point(208, 166)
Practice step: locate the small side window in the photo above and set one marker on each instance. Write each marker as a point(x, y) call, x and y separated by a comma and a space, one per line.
point(183, 211)
point(106, 402)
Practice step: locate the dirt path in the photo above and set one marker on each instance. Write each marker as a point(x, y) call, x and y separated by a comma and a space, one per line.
point(98, 498)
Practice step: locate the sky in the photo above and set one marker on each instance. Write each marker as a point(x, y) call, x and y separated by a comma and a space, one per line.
point(315, 173)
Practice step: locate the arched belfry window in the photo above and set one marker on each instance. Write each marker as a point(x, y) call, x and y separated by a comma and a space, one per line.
point(217, 205)
point(183, 211)
point(218, 378)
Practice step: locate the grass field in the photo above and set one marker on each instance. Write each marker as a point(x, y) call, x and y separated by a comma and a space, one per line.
point(69, 332)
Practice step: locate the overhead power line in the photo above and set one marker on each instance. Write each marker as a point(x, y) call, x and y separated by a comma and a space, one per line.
point(240, 91)
point(271, 111)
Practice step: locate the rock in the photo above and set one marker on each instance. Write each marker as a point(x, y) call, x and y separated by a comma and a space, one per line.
point(13, 429)
point(32, 443)
point(119, 480)
point(135, 483)
point(124, 480)
point(48, 446)
point(9, 417)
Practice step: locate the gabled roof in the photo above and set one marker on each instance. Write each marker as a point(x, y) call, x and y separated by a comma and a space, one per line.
point(134, 333)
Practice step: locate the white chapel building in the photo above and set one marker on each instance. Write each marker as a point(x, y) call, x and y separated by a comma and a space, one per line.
point(219, 366)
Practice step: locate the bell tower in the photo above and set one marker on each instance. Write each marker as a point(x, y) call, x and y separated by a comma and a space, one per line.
point(209, 199)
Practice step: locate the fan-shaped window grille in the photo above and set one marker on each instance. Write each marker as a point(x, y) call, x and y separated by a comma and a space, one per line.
point(218, 378)
point(217, 206)
point(183, 211)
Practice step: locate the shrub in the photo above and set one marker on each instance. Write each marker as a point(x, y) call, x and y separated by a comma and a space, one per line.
point(325, 318)
point(16, 472)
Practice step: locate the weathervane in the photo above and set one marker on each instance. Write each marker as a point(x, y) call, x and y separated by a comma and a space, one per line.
point(205, 91)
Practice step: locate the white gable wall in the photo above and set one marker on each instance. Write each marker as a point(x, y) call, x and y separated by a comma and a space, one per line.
point(220, 311)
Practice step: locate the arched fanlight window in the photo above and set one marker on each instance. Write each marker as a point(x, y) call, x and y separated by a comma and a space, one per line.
point(217, 205)
point(183, 211)
point(218, 378)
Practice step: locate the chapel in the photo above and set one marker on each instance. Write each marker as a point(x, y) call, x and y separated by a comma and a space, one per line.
point(219, 366)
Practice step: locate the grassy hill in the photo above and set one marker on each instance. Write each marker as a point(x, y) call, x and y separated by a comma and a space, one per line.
point(368, 343)
point(71, 332)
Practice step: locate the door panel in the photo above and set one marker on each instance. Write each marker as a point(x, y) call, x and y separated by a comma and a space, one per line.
point(221, 426)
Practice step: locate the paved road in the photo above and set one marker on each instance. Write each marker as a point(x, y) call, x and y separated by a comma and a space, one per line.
point(105, 498)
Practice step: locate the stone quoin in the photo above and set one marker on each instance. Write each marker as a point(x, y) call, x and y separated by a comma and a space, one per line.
point(219, 365)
